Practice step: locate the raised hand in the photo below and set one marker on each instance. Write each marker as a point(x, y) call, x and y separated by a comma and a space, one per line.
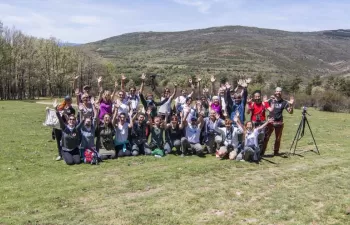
point(76, 77)
point(205, 90)
point(237, 114)
point(55, 104)
point(217, 116)
point(248, 80)
point(224, 114)
point(199, 79)
point(143, 76)
point(99, 79)
point(212, 79)
point(239, 82)
point(265, 98)
point(236, 118)
point(190, 81)
point(77, 91)
point(291, 100)
point(123, 77)
point(116, 84)
point(244, 84)
point(249, 100)
point(175, 85)
point(227, 85)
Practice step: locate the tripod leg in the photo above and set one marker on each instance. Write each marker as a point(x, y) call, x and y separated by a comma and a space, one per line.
point(312, 135)
point(296, 137)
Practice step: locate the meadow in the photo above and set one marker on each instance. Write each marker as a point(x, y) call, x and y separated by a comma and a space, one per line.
point(302, 189)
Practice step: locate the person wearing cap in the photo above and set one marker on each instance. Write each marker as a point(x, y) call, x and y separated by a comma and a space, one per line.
point(65, 109)
point(192, 134)
point(279, 105)
point(78, 93)
point(212, 138)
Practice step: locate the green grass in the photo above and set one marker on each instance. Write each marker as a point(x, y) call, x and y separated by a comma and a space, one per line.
point(307, 189)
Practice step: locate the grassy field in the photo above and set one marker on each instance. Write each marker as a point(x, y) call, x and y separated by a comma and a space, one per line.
point(305, 189)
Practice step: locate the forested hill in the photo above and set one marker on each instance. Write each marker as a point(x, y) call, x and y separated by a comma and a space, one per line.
point(229, 49)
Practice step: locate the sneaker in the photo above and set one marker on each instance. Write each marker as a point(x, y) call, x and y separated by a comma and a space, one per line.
point(58, 158)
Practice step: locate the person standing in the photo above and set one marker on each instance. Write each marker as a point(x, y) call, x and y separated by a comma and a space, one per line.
point(279, 105)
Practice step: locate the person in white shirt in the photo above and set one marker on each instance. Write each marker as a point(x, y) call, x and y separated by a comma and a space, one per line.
point(192, 134)
point(251, 151)
point(230, 142)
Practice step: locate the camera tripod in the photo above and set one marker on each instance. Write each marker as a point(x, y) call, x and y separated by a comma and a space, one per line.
point(300, 133)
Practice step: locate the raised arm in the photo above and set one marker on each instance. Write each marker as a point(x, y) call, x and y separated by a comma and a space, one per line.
point(115, 113)
point(143, 77)
point(212, 80)
point(122, 82)
point(115, 90)
point(184, 120)
point(62, 124)
point(238, 122)
point(75, 81)
point(100, 89)
point(290, 105)
point(270, 120)
point(174, 93)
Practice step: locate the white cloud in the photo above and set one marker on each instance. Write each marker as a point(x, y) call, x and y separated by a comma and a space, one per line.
point(201, 5)
point(85, 20)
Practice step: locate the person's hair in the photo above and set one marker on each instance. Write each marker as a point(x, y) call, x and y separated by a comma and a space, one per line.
point(106, 93)
point(63, 105)
point(84, 96)
point(174, 117)
point(132, 87)
point(228, 121)
point(149, 94)
point(71, 115)
point(141, 114)
point(124, 114)
point(157, 117)
point(257, 92)
point(237, 95)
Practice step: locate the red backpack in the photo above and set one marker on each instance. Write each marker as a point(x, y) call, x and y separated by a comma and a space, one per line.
point(91, 156)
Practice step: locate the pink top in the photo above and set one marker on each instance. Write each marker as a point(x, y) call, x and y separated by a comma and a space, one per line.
point(216, 108)
point(105, 107)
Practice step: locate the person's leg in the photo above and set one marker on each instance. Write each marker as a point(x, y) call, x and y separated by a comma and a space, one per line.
point(177, 145)
point(278, 133)
point(113, 154)
point(58, 137)
point(233, 154)
point(222, 152)
point(198, 148)
point(76, 156)
point(269, 129)
point(147, 149)
point(68, 157)
point(210, 144)
point(167, 148)
point(184, 145)
point(135, 150)
point(104, 157)
point(248, 154)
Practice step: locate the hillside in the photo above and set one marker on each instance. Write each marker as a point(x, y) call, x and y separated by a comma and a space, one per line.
point(229, 49)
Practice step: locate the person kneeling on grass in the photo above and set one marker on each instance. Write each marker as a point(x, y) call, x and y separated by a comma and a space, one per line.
point(157, 133)
point(192, 134)
point(173, 135)
point(70, 139)
point(104, 142)
point(139, 136)
point(251, 151)
point(230, 142)
point(121, 142)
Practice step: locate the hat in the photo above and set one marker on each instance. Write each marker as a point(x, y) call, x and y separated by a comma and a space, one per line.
point(68, 98)
point(86, 87)
point(278, 89)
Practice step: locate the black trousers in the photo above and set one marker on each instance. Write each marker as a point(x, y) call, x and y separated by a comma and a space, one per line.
point(72, 157)
point(58, 137)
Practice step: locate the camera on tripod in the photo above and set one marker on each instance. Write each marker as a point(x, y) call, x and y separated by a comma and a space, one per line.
point(304, 108)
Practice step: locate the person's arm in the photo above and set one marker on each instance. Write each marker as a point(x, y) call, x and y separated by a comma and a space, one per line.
point(62, 124)
point(174, 93)
point(143, 101)
point(200, 122)
point(265, 124)
point(161, 102)
point(100, 89)
point(115, 114)
point(199, 85)
point(132, 118)
point(192, 89)
point(290, 105)
point(238, 122)
point(75, 81)
point(115, 90)
point(250, 105)
point(143, 77)
point(96, 112)
point(122, 83)
point(212, 80)
point(184, 120)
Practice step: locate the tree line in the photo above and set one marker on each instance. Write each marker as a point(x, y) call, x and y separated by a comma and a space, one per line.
point(33, 67)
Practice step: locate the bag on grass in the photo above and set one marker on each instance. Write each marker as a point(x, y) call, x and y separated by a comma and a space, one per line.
point(51, 119)
point(91, 156)
point(158, 152)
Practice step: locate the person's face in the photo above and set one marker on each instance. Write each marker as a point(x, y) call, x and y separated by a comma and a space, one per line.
point(238, 99)
point(183, 92)
point(122, 118)
point(174, 121)
point(157, 121)
point(132, 91)
point(189, 101)
point(86, 90)
point(167, 93)
point(87, 122)
point(222, 92)
point(216, 101)
point(150, 97)
point(107, 97)
point(212, 114)
point(71, 121)
point(69, 102)
point(257, 97)
point(203, 99)
point(193, 123)
point(85, 99)
point(249, 126)
point(106, 119)
point(141, 118)
point(227, 125)
point(278, 94)
point(121, 95)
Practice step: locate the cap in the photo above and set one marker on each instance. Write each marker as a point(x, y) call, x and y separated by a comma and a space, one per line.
point(67, 98)
point(86, 87)
point(193, 118)
point(278, 89)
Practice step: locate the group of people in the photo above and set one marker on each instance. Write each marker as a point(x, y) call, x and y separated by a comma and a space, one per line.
point(130, 123)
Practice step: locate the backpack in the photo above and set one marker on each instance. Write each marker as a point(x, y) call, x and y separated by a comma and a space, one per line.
point(91, 156)
point(51, 119)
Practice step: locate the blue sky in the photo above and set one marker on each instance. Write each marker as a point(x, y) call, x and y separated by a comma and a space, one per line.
point(82, 21)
